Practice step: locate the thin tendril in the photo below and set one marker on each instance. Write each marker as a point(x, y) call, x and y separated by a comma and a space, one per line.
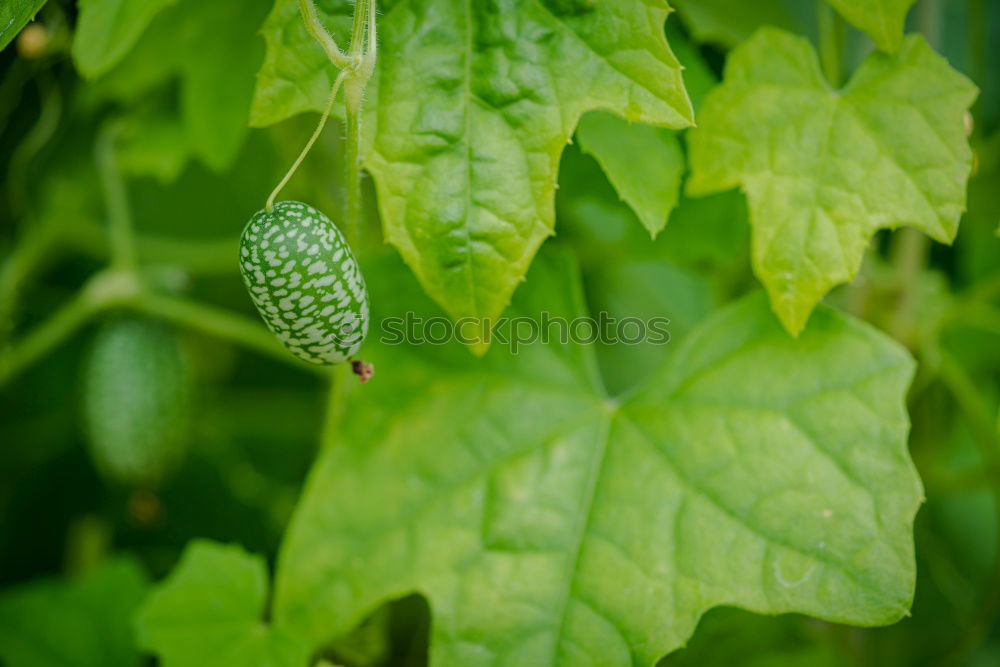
point(269, 206)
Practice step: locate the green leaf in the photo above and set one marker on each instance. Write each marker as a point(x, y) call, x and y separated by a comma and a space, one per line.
point(213, 49)
point(108, 29)
point(467, 115)
point(824, 169)
point(710, 235)
point(883, 20)
point(644, 164)
point(645, 289)
point(210, 610)
point(154, 143)
point(82, 622)
point(699, 78)
point(14, 15)
point(550, 525)
point(728, 23)
point(735, 638)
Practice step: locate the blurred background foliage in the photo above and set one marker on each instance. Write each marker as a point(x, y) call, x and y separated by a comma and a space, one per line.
point(78, 545)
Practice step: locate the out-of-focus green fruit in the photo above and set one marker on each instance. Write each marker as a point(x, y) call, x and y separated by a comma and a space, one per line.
point(136, 400)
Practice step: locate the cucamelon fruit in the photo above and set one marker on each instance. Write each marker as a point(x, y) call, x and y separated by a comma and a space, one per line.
point(305, 282)
point(136, 400)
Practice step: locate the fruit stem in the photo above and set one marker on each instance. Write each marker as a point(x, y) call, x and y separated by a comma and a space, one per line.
point(269, 206)
point(355, 69)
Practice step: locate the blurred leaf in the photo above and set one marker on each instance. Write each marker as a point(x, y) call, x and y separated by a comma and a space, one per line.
point(80, 622)
point(213, 49)
point(727, 23)
point(464, 144)
point(107, 29)
point(710, 232)
point(633, 293)
point(210, 611)
point(698, 76)
point(735, 638)
point(154, 144)
point(883, 20)
point(644, 163)
point(823, 170)
point(202, 205)
point(14, 15)
point(709, 235)
point(977, 243)
point(510, 487)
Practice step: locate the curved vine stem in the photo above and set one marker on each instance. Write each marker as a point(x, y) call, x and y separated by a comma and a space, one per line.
point(321, 35)
point(269, 206)
point(355, 70)
point(104, 290)
point(37, 138)
point(115, 199)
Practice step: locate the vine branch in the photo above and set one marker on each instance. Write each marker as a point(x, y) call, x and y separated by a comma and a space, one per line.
point(319, 32)
point(115, 199)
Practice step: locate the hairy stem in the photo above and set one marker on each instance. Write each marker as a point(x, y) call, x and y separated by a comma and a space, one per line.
point(361, 10)
point(321, 34)
point(352, 166)
point(354, 89)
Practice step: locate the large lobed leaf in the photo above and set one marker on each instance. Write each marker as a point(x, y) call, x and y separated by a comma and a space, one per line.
point(210, 612)
point(468, 113)
point(548, 524)
point(824, 169)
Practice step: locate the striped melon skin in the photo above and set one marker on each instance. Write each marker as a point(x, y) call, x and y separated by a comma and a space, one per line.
point(305, 281)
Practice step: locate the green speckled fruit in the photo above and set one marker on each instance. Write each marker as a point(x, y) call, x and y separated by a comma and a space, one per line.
point(136, 400)
point(305, 282)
